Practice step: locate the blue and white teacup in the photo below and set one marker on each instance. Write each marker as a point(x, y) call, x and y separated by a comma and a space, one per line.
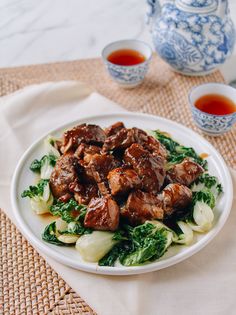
point(212, 124)
point(128, 76)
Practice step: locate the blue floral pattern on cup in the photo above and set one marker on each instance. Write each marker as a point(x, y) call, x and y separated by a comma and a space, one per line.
point(193, 43)
point(131, 75)
point(213, 124)
point(199, 3)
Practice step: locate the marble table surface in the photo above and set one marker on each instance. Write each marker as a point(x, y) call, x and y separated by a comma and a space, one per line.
point(34, 32)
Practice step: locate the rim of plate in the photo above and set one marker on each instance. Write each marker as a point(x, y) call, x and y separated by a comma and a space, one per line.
point(153, 266)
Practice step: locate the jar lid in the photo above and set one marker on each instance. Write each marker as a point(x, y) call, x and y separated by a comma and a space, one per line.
point(197, 5)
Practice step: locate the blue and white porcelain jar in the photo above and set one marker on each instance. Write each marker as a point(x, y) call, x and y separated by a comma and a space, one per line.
point(194, 37)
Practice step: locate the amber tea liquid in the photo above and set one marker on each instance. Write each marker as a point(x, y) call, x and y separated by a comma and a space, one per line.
point(216, 104)
point(126, 57)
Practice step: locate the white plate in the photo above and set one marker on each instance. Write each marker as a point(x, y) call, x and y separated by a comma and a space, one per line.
point(33, 225)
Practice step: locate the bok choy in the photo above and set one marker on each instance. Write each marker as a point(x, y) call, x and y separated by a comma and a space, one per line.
point(44, 166)
point(141, 244)
point(92, 247)
point(52, 235)
point(202, 214)
point(40, 196)
point(206, 181)
point(176, 152)
point(185, 235)
point(49, 144)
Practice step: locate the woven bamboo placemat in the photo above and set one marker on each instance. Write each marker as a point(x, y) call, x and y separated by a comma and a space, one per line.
point(27, 283)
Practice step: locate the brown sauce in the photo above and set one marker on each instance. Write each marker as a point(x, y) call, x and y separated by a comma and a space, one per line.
point(216, 104)
point(126, 57)
point(204, 155)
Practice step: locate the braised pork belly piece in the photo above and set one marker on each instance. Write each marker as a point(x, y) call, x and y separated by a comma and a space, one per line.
point(120, 140)
point(185, 172)
point(149, 143)
point(113, 129)
point(100, 165)
point(86, 151)
point(102, 214)
point(149, 168)
point(124, 138)
point(84, 193)
point(175, 197)
point(63, 176)
point(122, 179)
point(142, 206)
point(90, 134)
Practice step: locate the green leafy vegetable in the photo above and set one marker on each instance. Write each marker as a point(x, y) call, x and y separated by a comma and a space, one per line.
point(119, 235)
point(40, 196)
point(64, 210)
point(149, 244)
point(36, 190)
point(110, 258)
point(51, 147)
point(47, 167)
point(185, 236)
point(167, 141)
point(82, 210)
point(76, 228)
point(73, 214)
point(202, 216)
point(49, 235)
point(35, 166)
point(176, 152)
point(138, 245)
point(205, 196)
point(44, 166)
point(207, 181)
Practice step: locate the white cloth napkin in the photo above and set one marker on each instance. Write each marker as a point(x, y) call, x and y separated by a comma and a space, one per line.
point(202, 284)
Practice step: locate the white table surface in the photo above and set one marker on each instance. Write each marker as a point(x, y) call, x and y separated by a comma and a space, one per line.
point(34, 32)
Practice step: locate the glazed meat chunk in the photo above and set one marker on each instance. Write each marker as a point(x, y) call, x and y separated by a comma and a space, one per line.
point(175, 196)
point(122, 179)
point(142, 206)
point(85, 194)
point(113, 129)
point(86, 151)
point(64, 176)
point(102, 214)
point(121, 140)
point(90, 134)
point(149, 143)
point(126, 137)
point(184, 173)
point(99, 167)
point(149, 168)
